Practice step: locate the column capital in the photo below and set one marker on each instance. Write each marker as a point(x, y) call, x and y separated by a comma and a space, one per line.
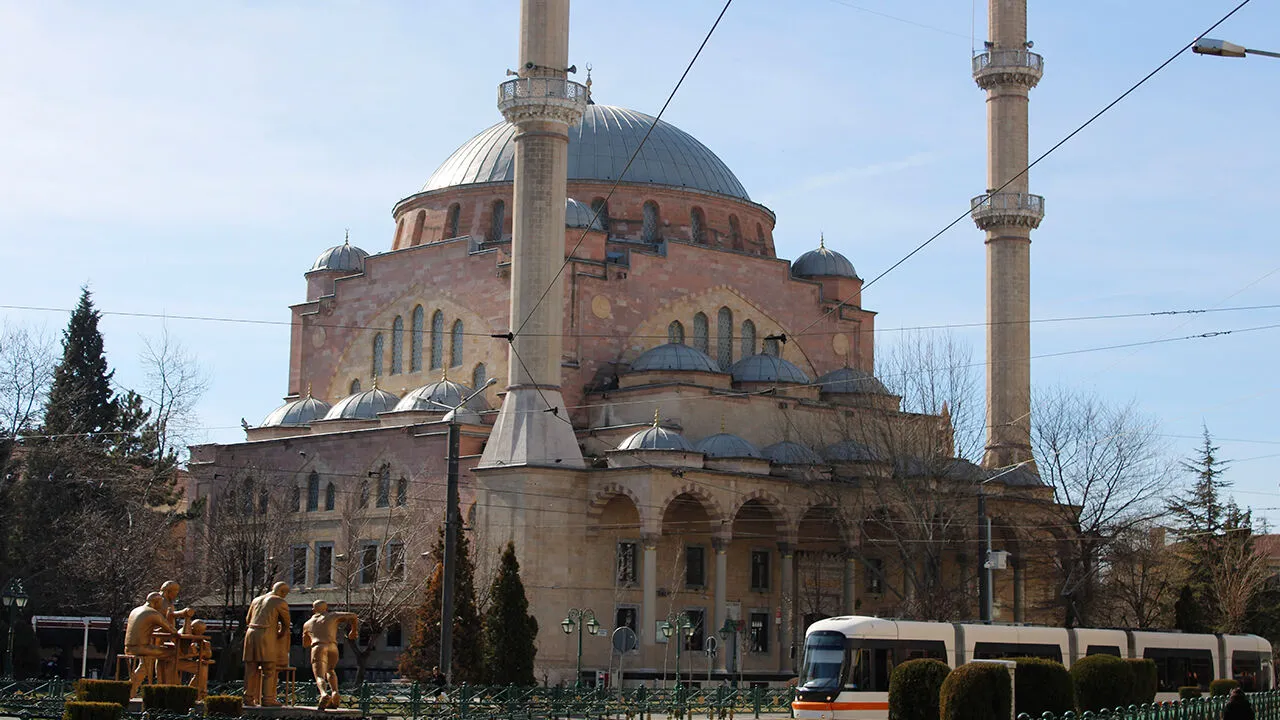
point(649, 541)
point(720, 544)
point(786, 549)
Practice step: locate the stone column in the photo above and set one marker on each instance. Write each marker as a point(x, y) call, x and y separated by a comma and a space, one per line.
point(649, 571)
point(721, 547)
point(1019, 596)
point(850, 599)
point(787, 602)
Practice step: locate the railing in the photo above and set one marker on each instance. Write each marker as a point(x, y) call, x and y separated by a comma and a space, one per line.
point(1006, 201)
point(1266, 706)
point(541, 87)
point(1008, 59)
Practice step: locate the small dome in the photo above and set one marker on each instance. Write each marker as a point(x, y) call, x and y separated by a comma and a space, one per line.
point(822, 263)
point(441, 396)
point(791, 453)
point(852, 381)
point(726, 445)
point(656, 438)
point(578, 215)
point(674, 356)
point(345, 257)
point(850, 451)
point(363, 405)
point(302, 411)
point(767, 368)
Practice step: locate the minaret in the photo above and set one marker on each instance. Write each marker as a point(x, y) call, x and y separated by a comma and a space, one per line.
point(533, 426)
point(1007, 71)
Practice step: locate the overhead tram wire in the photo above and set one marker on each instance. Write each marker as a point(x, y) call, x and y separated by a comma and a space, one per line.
point(1032, 164)
point(596, 215)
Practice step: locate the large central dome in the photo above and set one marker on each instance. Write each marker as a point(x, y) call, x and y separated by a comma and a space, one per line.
point(599, 148)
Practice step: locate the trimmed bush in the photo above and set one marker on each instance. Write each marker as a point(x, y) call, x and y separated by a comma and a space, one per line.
point(113, 691)
point(914, 689)
point(1189, 692)
point(1146, 681)
point(172, 698)
point(228, 705)
point(1103, 682)
point(1222, 687)
point(976, 691)
point(77, 710)
point(1042, 685)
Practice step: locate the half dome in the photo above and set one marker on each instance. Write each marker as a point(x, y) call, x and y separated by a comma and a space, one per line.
point(822, 262)
point(578, 215)
point(363, 405)
point(726, 445)
point(791, 453)
point(302, 411)
point(674, 356)
point(441, 396)
point(599, 148)
point(656, 438)
point(345, 257)
point(767, 368)
point(852, 381)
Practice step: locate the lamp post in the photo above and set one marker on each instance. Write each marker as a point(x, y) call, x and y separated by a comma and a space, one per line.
point(577, 619)
point(729, 633)
point(677, 624)
point(14, 598)
point(985, 589)
point(1222, 48)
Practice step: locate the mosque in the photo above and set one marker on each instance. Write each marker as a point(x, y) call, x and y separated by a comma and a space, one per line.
point(691, 431)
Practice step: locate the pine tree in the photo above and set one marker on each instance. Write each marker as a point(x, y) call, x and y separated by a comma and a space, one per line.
point(423, 652)
point(510, 632)
point(1202, 520)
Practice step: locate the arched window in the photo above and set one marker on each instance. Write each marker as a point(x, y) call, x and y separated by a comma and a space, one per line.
point(601, 209)
point(698, 226)
point(455, 344)
point(399, 231)
point(451, 221)
point(264, 501)
point(295, 499)
point(402, 491)
point(760, 236)
point(771, 347)
point(313, 491)
point(415, 340)
point(675, 332)
point(724, 338)
point(437, 339)
point(735, 232)
point(330, 496)
point(701, 342)
point(748, 338)
point(397, 345)
point(246, 497)
point(649, 228)
point(478, 376)
point(355, 386)
point(377, 355)
point(384, 486)
point(364, 493)
point(497, 218)
point(419, 219)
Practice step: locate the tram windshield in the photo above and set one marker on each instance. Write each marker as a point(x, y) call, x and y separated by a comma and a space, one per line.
point(823, 658)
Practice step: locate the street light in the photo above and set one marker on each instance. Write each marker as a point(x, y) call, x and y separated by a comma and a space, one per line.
point(677, 624)
point(1222, 48)
point(577, 619)
point(985, 583)
point(14, 598)
point(729, 633)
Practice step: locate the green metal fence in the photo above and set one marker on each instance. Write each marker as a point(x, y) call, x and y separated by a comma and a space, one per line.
point(1266, 706)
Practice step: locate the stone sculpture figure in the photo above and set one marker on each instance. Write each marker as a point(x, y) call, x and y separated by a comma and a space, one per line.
point(140, 641)
point(266, 641)
point(195, 656)
point(169, 592)
point(320, 633)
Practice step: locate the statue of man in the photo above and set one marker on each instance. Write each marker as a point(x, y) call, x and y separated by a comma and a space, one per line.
point(320, 633)
point(169, 592)
point(139, 631)
point(266, 641)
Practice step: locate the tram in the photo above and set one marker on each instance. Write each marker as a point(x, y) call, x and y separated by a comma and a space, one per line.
point(847, 660)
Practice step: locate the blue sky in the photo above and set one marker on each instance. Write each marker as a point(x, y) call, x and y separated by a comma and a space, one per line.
point(193, 159)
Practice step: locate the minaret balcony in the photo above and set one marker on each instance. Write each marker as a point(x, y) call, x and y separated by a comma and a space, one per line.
point(1002, 67)
point(1005, 209)
point(542, 98)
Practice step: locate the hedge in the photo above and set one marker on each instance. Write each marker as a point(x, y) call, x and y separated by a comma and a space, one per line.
point(1189, 692)
point(76, 710)
point(228, 705)
point(976, 691)
point(1146, 681)
point(112, 691)
point(1042, 685)
point(1222, 687)
point(914, 689)
point(172, 698)
point(1103, 682)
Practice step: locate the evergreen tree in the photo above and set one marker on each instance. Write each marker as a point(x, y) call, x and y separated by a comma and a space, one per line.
point(1204, 521)
point(81, 409)
point(510, 632)
point(423, 652)
point(1188, 615)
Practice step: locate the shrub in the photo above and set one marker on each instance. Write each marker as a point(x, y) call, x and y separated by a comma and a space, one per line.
point(1043, 685)
point(914, 689)
point(1103, 682)
point(1222, 687)
point(1189, 692)
point(229, 705)
point(976, 691)
point(173, 698)
point(77, 710)
point(1146, 681)
point(113, 691)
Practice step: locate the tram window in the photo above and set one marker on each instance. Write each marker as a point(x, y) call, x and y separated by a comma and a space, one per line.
point(1103, 650)
point(995, 651)
point(1178, 667)
point(933, 650)
point(823, 657)
point(1247, 669)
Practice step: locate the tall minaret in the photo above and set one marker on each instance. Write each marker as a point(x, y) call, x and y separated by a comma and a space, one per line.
point(533, 427)
point(1008, 70)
